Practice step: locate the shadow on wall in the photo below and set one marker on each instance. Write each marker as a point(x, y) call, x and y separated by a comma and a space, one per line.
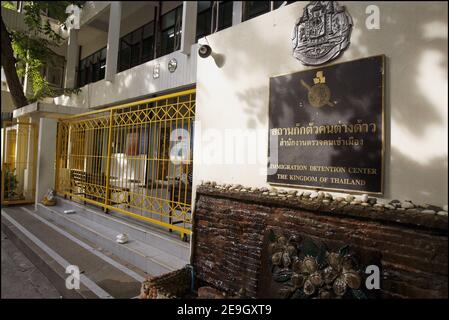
point(253, 101)
point(427, 179)
point(416, 80)
point(412, 44)
point(411, 47)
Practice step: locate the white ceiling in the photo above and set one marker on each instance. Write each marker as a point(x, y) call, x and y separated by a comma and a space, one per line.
point(98, 27)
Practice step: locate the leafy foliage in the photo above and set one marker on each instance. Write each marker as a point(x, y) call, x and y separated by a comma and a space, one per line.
point(8, 5)
point(33, 48)
point(10, 183)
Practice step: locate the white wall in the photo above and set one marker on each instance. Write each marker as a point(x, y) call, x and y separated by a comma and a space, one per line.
point(413, 36)
point(135, 20)
point(6, 101)
point(45, 176)
point(136, 82)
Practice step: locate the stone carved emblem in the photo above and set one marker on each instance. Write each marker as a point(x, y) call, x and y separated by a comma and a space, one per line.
point(321, 33)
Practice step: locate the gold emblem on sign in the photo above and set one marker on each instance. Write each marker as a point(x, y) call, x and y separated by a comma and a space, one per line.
point(319, 94)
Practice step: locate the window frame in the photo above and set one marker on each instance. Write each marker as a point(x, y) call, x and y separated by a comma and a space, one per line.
point(141, 58)
point(90, 68)
point(248, 16)
point(178, 14)
point(210, 12)
point(224, 26)
point(207, 13)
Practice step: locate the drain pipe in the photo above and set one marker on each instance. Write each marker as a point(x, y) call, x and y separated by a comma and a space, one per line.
point(192, 277)
point(192, 241)
point(190, 266)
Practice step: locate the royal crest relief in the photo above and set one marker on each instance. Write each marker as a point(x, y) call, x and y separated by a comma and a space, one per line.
point(321, 33)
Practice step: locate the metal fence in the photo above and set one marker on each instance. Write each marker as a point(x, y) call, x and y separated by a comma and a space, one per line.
point(135, 159)
point(19, 146)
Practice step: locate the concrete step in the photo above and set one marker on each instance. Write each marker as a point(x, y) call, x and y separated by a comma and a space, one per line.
point(140, 230)
point(146, 250)
point(52, 248)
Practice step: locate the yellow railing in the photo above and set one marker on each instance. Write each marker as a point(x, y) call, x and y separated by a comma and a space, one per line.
point(18, 162)
point(135, 159)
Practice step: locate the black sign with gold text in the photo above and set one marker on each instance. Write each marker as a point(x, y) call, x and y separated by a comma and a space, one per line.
point(326, 127)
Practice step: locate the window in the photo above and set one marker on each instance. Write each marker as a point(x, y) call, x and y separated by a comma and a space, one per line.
point(147, 42)
point(225, 15)
point(54, 75)
point(203, 19)
point(170, 36)
point(205, 13)
point(136, 47)
point(51, 13)
point(255, 8)
point(125, 53)
point(92, 68)
point(53, 71)
point(277, 4)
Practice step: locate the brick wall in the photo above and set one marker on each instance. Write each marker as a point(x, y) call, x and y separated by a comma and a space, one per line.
point(230, 226)
point(170, 285)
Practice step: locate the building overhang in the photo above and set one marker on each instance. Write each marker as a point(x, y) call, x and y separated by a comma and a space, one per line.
point(46, 110)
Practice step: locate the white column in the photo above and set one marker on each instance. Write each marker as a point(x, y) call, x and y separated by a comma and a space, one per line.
point(188, 35)
point(30, 171)
point(115, 15)
point(46, 157)
point(21, 154)
point(72, 59)
point(237, 12)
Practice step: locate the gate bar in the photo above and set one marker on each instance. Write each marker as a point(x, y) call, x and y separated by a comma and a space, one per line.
point(131, 104)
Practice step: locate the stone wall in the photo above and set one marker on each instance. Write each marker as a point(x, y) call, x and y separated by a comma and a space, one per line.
point(230, 223)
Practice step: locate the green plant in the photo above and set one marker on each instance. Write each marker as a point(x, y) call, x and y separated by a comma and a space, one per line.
point(28, 52)
point(10, 183)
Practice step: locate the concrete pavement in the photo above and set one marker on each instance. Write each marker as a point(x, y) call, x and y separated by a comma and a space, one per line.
point(20, 278)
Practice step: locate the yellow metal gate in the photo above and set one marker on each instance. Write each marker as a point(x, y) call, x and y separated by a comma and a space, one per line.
point(135, 159)
point(19, 150)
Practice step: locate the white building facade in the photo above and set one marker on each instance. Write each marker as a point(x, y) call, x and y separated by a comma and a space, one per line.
point(126, 51)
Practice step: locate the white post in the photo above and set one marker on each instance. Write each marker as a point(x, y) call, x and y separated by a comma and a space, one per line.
point(188, 34)
point(72, 59)
point(46, 157)
point(237, 12)
point(30, 169)
point(115, 15)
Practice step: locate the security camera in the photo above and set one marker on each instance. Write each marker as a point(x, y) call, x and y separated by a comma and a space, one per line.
point(204, 51)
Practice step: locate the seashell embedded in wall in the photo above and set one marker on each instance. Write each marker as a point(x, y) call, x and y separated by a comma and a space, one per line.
point(310, 270)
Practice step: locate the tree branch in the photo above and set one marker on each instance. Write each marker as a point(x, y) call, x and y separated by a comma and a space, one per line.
point(9, 67)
